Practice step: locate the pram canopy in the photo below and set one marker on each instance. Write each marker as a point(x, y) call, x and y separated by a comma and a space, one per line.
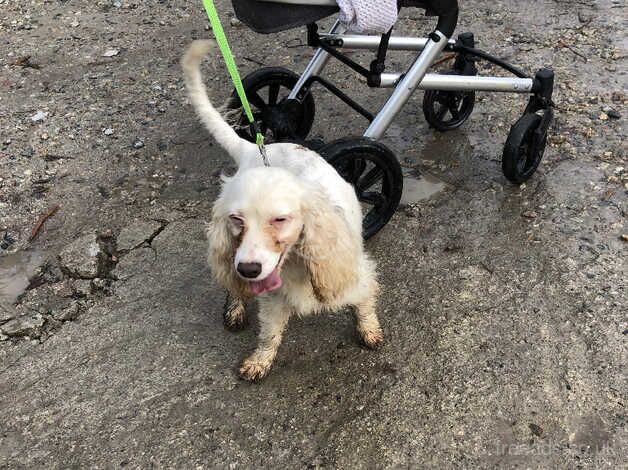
point(264, 16)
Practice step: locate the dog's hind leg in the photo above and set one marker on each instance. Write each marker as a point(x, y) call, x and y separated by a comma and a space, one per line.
point(367, 323)
point(234, 315)
point(273, 318)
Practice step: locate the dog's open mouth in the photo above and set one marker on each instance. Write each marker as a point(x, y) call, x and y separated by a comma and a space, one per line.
point(269, 283)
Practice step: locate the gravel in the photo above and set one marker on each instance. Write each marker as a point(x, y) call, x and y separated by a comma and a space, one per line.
point(503, 306)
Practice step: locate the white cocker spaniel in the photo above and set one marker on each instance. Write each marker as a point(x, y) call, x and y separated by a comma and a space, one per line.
point(288, 234)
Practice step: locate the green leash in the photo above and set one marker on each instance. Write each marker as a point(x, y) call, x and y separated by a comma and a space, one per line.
point(223, 45)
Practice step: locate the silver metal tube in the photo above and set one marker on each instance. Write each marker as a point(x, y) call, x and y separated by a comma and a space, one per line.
point(436, 81)
point(406, 87)
point(389, 80)
point(316, 65)
point(395, 43)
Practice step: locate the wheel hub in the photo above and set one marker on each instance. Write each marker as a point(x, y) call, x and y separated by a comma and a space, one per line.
point(281, 118)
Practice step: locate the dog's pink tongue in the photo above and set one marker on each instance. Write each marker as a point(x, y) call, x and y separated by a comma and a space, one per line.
point(268, 284)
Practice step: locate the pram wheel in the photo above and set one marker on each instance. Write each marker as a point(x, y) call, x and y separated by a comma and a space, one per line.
point(374, 172)
point(447, 110)
point(279, 118)
point(524, 148)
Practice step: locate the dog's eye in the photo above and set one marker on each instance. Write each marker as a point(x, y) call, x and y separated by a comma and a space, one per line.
point(236, 220)
point(280, 220)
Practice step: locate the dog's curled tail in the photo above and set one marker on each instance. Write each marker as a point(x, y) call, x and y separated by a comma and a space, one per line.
point(218, 128)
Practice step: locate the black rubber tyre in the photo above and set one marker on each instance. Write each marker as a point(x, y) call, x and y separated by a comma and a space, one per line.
point(447, 110)
point(374, 172)
point(267, 90)
point(524, 149)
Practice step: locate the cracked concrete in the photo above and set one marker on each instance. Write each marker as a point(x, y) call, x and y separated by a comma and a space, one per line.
point(504, 307)
point(138, 233)
point(81, 258)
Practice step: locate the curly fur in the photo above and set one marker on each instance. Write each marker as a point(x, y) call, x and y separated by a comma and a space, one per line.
point(329, 249)
point(298, 220)
point(222, 245)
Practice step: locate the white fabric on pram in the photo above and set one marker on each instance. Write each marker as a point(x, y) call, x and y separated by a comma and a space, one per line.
point(368, 16)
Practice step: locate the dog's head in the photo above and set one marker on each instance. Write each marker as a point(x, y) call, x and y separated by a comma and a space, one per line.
point(261, 216)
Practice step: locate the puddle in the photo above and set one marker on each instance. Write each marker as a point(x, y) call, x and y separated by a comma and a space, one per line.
point(421, 188)
point(16, 269)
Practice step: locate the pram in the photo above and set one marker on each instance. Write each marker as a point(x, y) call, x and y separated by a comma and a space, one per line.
point(367, 164)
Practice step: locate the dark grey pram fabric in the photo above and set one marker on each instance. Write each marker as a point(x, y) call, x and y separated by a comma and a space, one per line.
point(268, 17)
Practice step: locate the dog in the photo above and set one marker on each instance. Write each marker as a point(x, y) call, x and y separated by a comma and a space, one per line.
point(288, 234)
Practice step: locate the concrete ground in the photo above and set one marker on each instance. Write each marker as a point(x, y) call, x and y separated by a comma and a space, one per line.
point(504, 307)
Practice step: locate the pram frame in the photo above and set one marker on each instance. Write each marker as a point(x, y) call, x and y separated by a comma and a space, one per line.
point(404, 84)
point(366, 163)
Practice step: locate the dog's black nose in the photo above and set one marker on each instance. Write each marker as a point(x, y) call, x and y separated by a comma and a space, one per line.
point(249, 270)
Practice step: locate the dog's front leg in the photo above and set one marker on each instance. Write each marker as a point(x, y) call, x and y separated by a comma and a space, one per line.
point(234, 315)
point(367, 323)
point(273, 318)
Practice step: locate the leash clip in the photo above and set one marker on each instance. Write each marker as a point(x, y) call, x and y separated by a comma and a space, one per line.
point(259, 140)
point(262, 151)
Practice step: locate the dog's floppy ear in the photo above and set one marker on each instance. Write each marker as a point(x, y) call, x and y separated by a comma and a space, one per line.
point(329, 248)
point(222, 246)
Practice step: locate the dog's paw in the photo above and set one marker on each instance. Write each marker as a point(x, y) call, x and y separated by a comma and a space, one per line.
point(253, 370)
point(372, 339)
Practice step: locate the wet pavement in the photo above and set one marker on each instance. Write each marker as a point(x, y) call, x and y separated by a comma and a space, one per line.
point(418, 188)
point(504, 307)
point(16, 270)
